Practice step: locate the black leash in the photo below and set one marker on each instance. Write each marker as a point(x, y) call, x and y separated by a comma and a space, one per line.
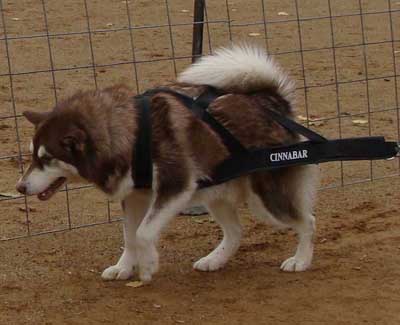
point(243, 161)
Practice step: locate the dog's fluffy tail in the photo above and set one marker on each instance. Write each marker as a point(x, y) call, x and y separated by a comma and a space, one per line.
point(241, 68)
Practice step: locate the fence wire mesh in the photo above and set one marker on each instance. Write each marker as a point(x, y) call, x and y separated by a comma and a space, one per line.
point(343, 55)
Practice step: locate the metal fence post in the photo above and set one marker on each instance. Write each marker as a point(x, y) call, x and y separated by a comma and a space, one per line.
point(197, 51)
point(198, 27)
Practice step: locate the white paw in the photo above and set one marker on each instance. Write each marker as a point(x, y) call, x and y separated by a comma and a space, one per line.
point(209, 263)
point(148, 263)
point(294, 264)
point(147, 270)
point(116, 272)
point(145, 276)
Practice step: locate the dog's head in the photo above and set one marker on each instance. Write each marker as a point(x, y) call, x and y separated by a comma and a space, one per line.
point(58, 150)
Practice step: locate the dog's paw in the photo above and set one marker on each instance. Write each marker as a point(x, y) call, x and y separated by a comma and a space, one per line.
point(147, 270)
point(116, 272)
point(294, 264)
point(209, 263)
point(148, 263)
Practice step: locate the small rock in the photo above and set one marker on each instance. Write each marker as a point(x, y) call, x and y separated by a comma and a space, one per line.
point(194, 211)
point(360, 122)
point(317, 123)
point(312, 119)
point(4, 126)
point(110, 24)
point(29, 209)
point(6, 194)
point(135, 284)
point(302, 118)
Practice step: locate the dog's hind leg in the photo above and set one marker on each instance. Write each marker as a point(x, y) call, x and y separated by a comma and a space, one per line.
point(135, 207)
point(224, 213)
point(286, 197)
point(302, 259)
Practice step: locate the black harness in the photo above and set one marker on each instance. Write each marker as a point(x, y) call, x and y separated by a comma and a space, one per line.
point(242, 161)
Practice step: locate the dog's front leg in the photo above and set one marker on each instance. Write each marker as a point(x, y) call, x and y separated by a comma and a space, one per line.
point(134, 207)
point(163, 209)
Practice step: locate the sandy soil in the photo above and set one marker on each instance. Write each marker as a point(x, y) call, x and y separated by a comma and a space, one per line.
point(54, 278)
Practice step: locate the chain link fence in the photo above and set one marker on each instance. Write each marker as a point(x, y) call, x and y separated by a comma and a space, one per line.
point(343, 54)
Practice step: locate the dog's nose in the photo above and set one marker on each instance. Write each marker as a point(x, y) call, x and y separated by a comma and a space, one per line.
point(21, 187)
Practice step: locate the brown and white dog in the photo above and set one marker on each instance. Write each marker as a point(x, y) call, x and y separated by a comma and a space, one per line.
point(92, 135)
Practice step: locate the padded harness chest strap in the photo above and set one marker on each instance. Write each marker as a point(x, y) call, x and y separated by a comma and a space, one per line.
point(142, 169)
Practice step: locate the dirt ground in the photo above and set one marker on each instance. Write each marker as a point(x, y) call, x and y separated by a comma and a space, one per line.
point(55, 278)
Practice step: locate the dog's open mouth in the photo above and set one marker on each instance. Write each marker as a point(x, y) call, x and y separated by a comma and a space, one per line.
point(52, 189)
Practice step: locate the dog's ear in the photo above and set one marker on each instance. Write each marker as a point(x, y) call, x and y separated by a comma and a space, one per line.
point(74, 140)
point(35, 117)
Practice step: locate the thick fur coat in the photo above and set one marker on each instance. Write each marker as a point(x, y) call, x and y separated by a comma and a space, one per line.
point(91, 135)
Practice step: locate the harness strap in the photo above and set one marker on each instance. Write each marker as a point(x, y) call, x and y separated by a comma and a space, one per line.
point(302, 153)
point(293, 126)
point(199, 107)
point(142, 171)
